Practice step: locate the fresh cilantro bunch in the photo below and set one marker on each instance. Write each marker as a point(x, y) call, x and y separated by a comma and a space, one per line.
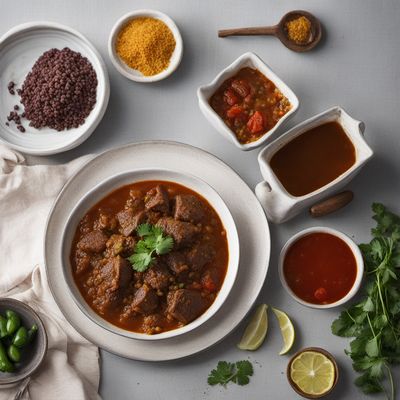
point(226, 372)
point(153, 241)
point(374, 322)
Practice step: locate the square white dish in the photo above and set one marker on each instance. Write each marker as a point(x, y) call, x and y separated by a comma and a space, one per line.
point(280, 205)
point(206, 91)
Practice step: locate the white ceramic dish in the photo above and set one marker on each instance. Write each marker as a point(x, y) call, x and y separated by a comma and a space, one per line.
point(251, 224)
point(357, 255)
point(19, 49)
point(280, 205)
point(103, 189)
point(246, 60)
point(131, 73)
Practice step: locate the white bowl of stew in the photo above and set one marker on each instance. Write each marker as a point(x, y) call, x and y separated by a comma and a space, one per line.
point(247, 102)
point(321, 267)
point(181, 289)
point(311, 161)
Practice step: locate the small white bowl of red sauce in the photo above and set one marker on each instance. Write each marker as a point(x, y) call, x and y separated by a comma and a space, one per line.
point(321, 267)
point(247, 102)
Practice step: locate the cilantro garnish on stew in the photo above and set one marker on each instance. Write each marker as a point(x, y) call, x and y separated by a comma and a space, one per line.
point(153, 241)
point(226, 372)
point(374, 322)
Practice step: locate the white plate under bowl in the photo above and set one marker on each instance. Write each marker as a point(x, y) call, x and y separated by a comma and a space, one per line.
point(108, 186)
point(251, 224)
point(19, 49)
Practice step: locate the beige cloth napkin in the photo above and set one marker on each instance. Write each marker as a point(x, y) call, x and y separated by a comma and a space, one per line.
point(71, 368)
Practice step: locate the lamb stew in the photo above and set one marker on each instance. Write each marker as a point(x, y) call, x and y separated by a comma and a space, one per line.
point(168, 288)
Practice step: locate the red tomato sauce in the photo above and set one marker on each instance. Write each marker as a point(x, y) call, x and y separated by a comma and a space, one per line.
point(320, 268)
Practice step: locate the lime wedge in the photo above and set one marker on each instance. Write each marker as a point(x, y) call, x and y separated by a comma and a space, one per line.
point(287, 330)
point(256, 330)
point(313, 373)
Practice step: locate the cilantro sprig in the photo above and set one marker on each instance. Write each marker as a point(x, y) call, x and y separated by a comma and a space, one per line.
point(226, 372)
point(153, 242)
point(374, 322)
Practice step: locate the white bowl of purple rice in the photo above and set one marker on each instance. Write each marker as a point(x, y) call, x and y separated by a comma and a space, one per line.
point(54, 88)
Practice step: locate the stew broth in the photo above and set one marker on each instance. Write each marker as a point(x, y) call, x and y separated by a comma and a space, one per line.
point(313, 159)
point(179, 286)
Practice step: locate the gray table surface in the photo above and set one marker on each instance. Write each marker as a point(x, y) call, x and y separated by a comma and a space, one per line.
point(357, 67)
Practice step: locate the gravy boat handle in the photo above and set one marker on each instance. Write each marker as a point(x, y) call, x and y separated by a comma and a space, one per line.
point(277, 206)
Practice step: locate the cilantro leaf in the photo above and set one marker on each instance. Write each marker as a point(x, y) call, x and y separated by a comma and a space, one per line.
point(153, 242)
point(222, 374)
point(140, 261)
point(244, 370)
point(144, 230)
point(374, 321)
point(226, 372)
point(164, 245)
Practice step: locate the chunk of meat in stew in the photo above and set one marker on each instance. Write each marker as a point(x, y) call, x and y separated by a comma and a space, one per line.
point(157, 199)
point(178, 265)
point(189, 208)
point(200, 255)
point(157, 277)
point(119, 244)
point(185, 305)
point(93, 242)
point(129, 221)
point(145, 300)
point(183, 233)
point(117, 273)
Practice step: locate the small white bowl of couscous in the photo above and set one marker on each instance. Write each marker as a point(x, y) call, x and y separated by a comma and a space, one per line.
point(145, 46)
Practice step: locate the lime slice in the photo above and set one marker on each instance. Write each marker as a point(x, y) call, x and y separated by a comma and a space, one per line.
point(256, 330)
point(287, 330)
point(313, 373)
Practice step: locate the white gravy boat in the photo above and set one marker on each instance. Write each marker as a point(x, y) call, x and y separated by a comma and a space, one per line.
point(279, 205)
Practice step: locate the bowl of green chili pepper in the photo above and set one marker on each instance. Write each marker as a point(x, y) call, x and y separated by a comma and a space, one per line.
point(23, 341)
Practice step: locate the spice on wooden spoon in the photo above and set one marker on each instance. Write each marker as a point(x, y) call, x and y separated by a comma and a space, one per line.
point(298, 30)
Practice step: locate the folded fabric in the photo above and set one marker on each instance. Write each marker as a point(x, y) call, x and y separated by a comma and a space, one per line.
point(71, 368)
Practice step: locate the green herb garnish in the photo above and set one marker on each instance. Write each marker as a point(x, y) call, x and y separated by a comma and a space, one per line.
point(374, 322)
point(226, 372)
point(153, 241)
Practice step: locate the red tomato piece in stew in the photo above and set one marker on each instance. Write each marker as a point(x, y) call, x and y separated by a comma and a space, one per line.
point(320, 268)
point(249, 104)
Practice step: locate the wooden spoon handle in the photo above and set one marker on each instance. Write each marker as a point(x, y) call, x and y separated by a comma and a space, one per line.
point(260, 30)
point(331, 204)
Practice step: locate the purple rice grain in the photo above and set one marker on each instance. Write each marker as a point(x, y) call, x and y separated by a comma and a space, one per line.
point(60, 90)
point(10, 87)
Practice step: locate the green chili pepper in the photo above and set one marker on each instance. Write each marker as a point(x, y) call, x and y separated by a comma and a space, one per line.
point(21, 337)
point(32, 332)
point(3, 327)
point(14, 353)
point(5, 364)
point(13, 322)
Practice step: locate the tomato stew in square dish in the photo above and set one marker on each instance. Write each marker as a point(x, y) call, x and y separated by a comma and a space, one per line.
point(249, 104)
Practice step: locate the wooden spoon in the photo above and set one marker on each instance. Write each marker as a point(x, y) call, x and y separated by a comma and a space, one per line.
point(280, 31)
